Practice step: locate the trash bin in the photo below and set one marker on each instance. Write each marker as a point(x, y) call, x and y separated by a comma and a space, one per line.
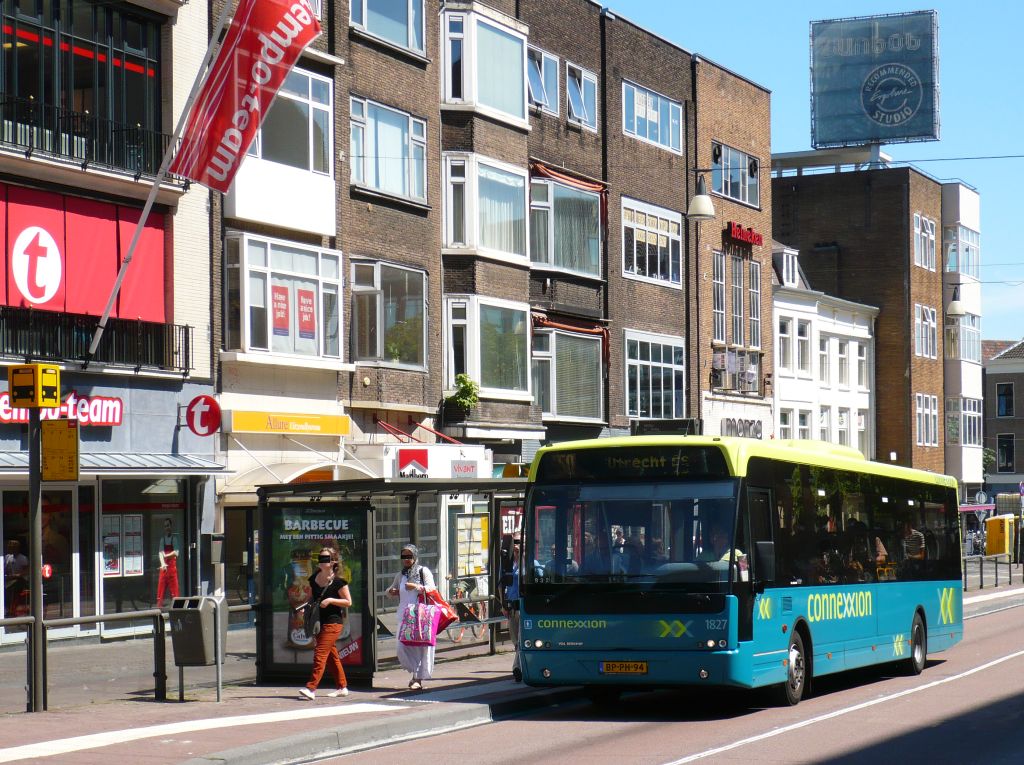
point(192, 629)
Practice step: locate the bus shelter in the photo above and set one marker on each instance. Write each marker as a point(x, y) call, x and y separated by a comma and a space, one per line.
point(463, 527)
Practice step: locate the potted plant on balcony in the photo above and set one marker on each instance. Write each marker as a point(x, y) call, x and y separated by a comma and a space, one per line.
point(465, 396)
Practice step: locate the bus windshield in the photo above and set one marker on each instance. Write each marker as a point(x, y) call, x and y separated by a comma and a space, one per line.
point(666, 533)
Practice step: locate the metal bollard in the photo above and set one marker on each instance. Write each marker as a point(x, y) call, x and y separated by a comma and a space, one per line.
point(159, 658)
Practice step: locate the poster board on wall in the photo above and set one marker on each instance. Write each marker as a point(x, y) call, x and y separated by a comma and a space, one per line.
point(111, 545)
point(293, 533)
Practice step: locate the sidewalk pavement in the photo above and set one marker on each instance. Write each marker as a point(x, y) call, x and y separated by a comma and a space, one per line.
point(260, 725)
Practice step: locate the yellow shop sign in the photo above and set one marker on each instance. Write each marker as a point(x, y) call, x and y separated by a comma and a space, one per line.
point(237, 421)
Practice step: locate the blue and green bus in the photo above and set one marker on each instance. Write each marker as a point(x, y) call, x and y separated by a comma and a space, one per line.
point(663, 561)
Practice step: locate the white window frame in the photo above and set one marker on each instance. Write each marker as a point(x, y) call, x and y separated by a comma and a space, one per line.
point(926, 409)
point(803, 424)
point(632, 90)
point(843, 365)
point(972, 421)
point(670, 218)
point(718, 296)
point(925, 331)
point(551, 356)
point(825, 423)
point(803, 347)
point(843, 427)
point(665, 341)
point(785, 329)
point(473, 304)
point(862, 432)
point(586, 122)
point(549, 205)
point(552, 103)
point(245, 270)
point(471, 199)
point(862, 367)
point(417, 139)
point(785, 423)
point(312, 105)
point(749, 190)
point(736, 273)
point(789, 269)
point(754, 307)
point(824, 360)
point(470, 96)
point(358, 14)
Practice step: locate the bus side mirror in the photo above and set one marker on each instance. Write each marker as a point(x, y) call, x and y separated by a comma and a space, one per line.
point(764, 561)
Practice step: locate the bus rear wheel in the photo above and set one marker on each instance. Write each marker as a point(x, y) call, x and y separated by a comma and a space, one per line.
point(918, 647)
point(791, 691)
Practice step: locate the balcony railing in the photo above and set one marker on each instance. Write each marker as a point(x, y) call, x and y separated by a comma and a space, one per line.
point(26, 333)
point(35, 128)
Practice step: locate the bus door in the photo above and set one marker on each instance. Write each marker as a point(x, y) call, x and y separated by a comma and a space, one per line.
point(754, 539)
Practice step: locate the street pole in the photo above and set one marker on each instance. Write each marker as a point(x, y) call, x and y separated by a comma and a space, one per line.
point(35, 551)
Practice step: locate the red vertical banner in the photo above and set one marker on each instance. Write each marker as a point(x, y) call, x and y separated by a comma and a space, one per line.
point(3, 242)
point(259, 50)
point(35, 249)
point(142, 293)
point(279, 306)
point(92, 258)
point(307, 313)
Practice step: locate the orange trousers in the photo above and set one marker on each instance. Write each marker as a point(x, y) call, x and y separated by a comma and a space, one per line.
point(326, 652)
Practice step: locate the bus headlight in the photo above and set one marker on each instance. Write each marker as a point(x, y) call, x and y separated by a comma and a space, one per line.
point(538, 643)
point(711, 644)
point(546, 672)
point(528, 644)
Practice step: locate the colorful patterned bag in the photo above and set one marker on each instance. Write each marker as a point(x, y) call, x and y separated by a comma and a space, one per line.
point(419, 624)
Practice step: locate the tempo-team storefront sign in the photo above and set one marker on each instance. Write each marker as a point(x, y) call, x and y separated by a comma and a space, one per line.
point(87, 410)
point(294, 534)
point(874, 79)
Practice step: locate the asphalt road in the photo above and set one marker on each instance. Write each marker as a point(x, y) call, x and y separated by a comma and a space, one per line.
point(967, 706)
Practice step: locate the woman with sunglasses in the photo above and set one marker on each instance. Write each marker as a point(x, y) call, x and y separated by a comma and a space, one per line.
point(332, 592)
point(412, 580)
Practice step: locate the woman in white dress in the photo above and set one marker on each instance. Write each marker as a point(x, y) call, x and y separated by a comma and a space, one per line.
point(407, 586)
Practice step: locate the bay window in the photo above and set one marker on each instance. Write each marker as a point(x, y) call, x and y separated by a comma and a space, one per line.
point(485, 65)
point(651, 243)
point(399, 22)
point(567, 374)
point(655, 376)
point(485, 206)
point(565, 227)
point(388, 313)
point(297, 130)
point(488, 339)
point(388, 149)
point(282, 297)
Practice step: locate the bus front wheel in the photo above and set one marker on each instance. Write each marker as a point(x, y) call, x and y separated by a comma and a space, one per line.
point(791, 691)
point(918, 647)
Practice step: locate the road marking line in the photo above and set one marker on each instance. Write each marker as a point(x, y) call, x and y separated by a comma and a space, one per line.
point(993, 596)
point(841, 712)
point(96, 740)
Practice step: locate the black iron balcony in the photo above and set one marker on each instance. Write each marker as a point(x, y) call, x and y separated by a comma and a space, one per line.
point(36, 128)
point(26, 333)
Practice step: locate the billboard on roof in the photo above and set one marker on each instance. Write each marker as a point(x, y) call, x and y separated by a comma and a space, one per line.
point(875, 79)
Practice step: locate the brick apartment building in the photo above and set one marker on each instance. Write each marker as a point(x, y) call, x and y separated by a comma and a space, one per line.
point(494, 189)
point(894, 238)
point(1004, 428)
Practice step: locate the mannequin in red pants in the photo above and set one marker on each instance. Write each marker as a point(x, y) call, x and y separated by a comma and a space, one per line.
point(168, 566)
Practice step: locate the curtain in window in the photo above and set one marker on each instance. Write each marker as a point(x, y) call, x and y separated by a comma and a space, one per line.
point(577, 230)
point(500, 83)
point(503, 336)
point(578, 375)
point(502, 210)
point(386, 139)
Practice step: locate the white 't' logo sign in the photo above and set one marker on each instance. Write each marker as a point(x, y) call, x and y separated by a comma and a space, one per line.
point(35, 261)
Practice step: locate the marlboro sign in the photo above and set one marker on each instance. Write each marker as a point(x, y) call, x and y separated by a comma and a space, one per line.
point(262, 45)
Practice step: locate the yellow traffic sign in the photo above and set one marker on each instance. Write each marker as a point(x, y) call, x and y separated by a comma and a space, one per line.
point(34, 386)
point(59, 457)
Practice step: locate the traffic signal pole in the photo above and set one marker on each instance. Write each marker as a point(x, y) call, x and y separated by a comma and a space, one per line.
point(37, 691)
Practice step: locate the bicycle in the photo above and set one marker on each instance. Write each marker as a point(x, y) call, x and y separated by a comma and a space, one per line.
point(472, 614)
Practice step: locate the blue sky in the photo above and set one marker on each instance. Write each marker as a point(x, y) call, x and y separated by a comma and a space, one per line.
point(981, 115)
